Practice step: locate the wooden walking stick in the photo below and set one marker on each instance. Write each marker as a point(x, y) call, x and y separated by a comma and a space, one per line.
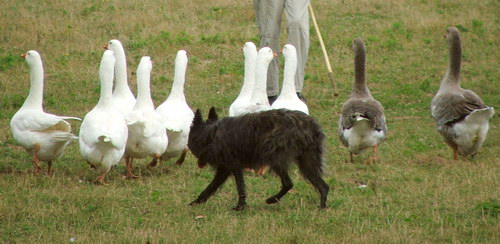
point(328, 66)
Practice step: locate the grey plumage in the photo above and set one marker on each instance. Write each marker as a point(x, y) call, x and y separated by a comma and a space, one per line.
point(461, 116)
point(453, 106)
point(361, 106)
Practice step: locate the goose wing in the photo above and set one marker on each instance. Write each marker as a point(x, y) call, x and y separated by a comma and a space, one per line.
point(40, 121)
point(451, 107)
point(176, 117)
point(148, 123)
point(104, 127)
point(370, 109)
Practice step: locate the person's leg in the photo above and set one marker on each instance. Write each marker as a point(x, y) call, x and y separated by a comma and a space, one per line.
point(268, 16)
point(298, 35)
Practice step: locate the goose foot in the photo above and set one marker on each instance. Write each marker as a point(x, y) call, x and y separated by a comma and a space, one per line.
point(455, 154)
point(180, 161)
point(153, 163)
point(374, 156)
point(91, 165)
point(100, 180)
point(49, 172)
point(35, 160)
point(130, 175)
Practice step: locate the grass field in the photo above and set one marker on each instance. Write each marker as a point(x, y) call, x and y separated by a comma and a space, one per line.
point(414, 194)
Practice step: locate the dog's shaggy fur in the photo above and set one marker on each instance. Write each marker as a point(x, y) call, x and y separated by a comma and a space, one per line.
point(274, 138)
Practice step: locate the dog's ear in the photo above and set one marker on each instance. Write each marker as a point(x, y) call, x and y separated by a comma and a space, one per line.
point(212, 115)
point(198, 118)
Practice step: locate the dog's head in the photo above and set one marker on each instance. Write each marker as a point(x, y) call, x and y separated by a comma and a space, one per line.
point(202, 133)
point(198, 119)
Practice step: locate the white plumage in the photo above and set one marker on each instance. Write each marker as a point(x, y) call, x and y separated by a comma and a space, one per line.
point(471, 133)
point(362, 135)
point(176, 113)
point(146, 130)
point(103, 133)
point(288, 98)
point(259, 101)
point(243, 99)
point(43, 135)
point(123, 98)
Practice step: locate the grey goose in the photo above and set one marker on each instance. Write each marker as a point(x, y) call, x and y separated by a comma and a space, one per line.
point(362, 123)
point(461, 116)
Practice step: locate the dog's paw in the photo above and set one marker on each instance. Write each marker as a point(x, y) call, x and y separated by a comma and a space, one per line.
point(195, 202)
point(272, 200)
point(239, 207)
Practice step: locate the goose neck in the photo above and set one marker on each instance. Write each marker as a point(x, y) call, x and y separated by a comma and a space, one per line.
point(106, 82)
point(121, 78)
point(144, 91)
point(359, 86)
point(259, 93)
point(455, 59)
point(248, 80)
point(289, 76)
point(35, 97)
point(179, 80)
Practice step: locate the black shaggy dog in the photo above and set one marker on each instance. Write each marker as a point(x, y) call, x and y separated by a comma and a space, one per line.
point(274, 138)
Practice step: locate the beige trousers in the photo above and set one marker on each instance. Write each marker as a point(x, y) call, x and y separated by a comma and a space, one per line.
point(268, 16)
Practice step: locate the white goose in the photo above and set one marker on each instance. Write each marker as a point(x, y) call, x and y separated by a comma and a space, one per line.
point(362, 123)
point(103, 133)
point(461, 116)
point(43, 135)
point(259, 101)
point(122, 96)
point(176, 113)
point(146, 130)
point(243, 99)
point(288, 98)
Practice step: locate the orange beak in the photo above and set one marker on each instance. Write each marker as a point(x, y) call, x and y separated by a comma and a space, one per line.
point(275, 54)
point(23, 55)
point(105, 47)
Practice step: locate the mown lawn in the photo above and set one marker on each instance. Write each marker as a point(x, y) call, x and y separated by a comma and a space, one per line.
point(414, 194)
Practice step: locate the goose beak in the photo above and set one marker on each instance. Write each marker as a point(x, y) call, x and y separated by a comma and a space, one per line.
point(105, 47)
point(275, 54)
point(23, 55)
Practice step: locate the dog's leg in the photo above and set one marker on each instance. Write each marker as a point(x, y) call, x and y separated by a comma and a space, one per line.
point(240, 186)
point(322, 188)
point(221, 176)
point(286, 185)
point(310, 167)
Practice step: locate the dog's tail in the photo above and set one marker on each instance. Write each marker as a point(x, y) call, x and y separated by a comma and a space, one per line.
point(311, 161)
point(311, 165)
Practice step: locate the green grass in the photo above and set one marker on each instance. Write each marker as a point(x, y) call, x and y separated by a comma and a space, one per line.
point(414, 194)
